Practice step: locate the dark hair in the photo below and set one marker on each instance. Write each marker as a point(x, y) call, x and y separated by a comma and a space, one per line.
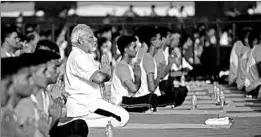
point(48, 45)
point(6, 32)
point(31, 37)
point(124, 41)
point(23, 37)
point(45, 56)
point(101, 41)
point(106, 28)
point(247, 32)
point(251, 38)
point(163, 32)
point(145, 34)
point(11, 65)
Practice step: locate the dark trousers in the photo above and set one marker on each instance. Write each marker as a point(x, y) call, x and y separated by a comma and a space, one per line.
point(77, 128)
point(255, 92)
point(172, 95)
point(140, 104)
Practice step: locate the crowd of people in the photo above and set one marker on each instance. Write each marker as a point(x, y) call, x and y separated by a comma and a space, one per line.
point(45, 94)
point(60, 87)
point(245, 63)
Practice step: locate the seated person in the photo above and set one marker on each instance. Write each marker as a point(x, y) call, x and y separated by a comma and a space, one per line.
point(253, 79)
point(126, 81)
point(166, 85)
point(17, 80)
point(236, 53)
point(242, 66)
point(31, 107)
point(243, 58)
point(84, 79)
point(50, 99)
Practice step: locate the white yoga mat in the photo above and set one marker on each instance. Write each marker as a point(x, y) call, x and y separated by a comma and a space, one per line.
point(172, 126)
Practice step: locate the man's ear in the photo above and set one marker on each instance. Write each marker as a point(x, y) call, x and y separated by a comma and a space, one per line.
point(7, 39)
point(80, 40)
point(125, 50)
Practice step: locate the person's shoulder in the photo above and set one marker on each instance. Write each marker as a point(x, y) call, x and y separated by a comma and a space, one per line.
point(25, 103)
point(24, 109)
point(121, 66)
point(147, 56)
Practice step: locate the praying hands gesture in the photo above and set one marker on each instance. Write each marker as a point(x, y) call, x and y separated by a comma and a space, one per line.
point(137, 70)
point(105, 65)
point(171, 59)
point(57, 89)
point(55, 110)
point(161, 70)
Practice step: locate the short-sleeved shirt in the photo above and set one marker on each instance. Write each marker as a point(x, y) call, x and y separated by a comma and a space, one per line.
point(28, 108)
point(161, 57)
point(121, 74)
point(78, 83)
point(147, 65)
point(252, 76)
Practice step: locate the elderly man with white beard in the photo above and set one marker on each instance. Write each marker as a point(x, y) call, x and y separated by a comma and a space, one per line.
point(84, 78)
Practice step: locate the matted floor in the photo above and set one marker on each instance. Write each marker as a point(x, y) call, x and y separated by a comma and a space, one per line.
point(183, 122)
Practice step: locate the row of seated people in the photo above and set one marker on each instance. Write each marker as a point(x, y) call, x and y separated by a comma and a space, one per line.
point(139, 81)
point(30, 105)
point(32, 97)
point(245, 63)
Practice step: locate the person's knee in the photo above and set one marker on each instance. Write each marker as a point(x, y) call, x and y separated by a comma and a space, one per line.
point(125, 116)
point(183, 89)
point(153, 100)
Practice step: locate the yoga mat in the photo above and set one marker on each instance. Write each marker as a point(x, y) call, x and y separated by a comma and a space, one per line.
point(243, 114)
point(247, 104)
point(172, 126)
point(199, 98)
point(242, 109)
point(211, 102)
point(240, 99)
point(187, 112)
point(200, 107)
point(198, 93)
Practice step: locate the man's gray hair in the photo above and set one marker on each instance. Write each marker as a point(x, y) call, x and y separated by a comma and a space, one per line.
point(79, 31)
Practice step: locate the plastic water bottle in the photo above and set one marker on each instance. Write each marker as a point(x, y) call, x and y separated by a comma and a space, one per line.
point(214, 89)
point(109, 129)
point(194, 101)
point(222, 98)
point(218, 94)
point(182, 80)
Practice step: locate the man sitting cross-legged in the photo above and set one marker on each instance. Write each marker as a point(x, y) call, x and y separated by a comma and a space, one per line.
point(83, 80)
point(172, 95)
point(126, 80)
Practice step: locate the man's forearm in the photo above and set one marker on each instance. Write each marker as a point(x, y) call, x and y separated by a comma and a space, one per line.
point(157, 81)
point(107, 77)
point(100, 77)
point(167, 69)
point(137, 81)
point(54, 122)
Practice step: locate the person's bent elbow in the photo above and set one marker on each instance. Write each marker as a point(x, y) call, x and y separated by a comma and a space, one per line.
point(151, 89)
point(100, 78)
point(134, 89)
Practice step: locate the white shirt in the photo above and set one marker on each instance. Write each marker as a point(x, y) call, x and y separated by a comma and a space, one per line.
point(118, 90)
point(144, 83)
point(79, 69)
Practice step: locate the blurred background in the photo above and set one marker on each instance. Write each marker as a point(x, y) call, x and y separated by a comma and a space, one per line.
point(207, 28)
